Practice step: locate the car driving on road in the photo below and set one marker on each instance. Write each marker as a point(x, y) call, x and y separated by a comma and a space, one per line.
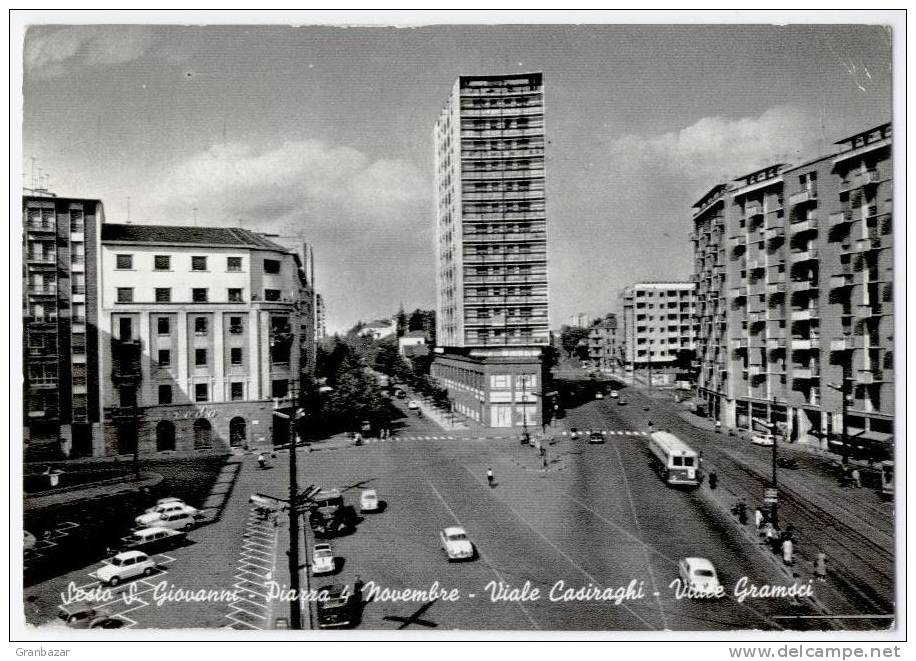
point(765, 440)
point(368, 501)
point(413, 405)
point(699, 576)
point(123, 566)
point(455, 543)
point(337, 606)
point(597, 436)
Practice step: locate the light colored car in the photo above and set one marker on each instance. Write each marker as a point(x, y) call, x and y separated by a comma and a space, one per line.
point(82, 615)
point(368, 501)
point(599, 395)
point(173, 515)
point(123, 566)
point(171, 500)
point(456, 544)
point(614, 394)
point(413, 405)
point(322, 559)
point(699, 576)
point(28, 541)
point(765, 440)
point(152, 540)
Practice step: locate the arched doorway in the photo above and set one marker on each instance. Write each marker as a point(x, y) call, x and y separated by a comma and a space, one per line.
point(127, 439)
point(165, 436)
point(202, 433)
point(237, 432)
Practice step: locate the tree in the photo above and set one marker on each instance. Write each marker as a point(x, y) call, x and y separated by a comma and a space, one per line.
point(401, 321)
point(570, 336)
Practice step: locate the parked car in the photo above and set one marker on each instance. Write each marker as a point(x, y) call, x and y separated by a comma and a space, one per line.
point(181, 519)
point(573, 432)
point(614, 394)
point(108, 623)
point(621, 402)
point(455, 543)
point(413, 405)
point(82, 615)
point(699, 576)
point(599, 395)
point(28, 541)
point(153, 540)
point(170, 500)
point(597, 436)
point(400, 394)
point(368, 501)
point(765, 440)
point(153, 514)
point(126, 565)
point(322, 559)
point(337, 606)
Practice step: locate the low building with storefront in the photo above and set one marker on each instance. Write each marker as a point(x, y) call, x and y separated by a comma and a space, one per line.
point(200, 337)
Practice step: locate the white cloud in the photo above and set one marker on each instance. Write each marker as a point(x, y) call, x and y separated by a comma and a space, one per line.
point(714, 147)
point(49, 51)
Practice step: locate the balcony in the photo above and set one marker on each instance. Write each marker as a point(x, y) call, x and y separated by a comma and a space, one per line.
point(501, 111)
point(841, 280)
point(841, 344)
point(776, 288)
point(754, 371)
point(479, 175)
point(865, 245)
point(804, 256)
point(739, 344)
point(805, 344)
point(839, 218)
point(804, 285)
point(49, 289)
point(869, 376)
point(738, 292)
point(41, 228)
point(499, 258)
point(806, 314)
point(502, 237)
point(531, 132)
point(753, 210)
point(42, 258)
point(805, 373)
point(776, 343)
point(497, 196)
point(43, 383)
point(806, 225)
point(809, 195)
point(737, 242)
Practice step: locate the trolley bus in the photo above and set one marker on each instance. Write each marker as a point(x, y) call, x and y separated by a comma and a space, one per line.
point(674, 460)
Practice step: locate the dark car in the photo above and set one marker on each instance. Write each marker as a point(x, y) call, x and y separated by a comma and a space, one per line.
point(338, 606)
point(621, 402)
point(596, 436)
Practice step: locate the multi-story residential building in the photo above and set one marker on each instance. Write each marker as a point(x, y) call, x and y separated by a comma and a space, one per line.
point(604, 348)
point(491, 321)
point(578, 320)
point(200, 336)
point(801, 309)
point(320, 315)
point(658, 322)
point(60, 304)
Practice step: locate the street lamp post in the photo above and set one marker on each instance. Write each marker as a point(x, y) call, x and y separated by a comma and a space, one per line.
point(774, 514)
point(842, 388)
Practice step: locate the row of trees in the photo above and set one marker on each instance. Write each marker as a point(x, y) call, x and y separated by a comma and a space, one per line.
point(411, 371)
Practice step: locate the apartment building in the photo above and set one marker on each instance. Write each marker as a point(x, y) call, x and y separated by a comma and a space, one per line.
point(321, 330)
point(604, 347)
point(200, 335)
point(492, 315)
point(794, 269)
point(60, 304)
point(658, 322)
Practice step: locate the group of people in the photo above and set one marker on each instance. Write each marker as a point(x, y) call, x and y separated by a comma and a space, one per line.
point(851, 477)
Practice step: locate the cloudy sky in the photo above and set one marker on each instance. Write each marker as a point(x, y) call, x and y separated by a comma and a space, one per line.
point(327, 133)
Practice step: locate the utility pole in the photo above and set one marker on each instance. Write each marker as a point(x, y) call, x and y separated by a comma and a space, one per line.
point(774, 515)
point(845, 416)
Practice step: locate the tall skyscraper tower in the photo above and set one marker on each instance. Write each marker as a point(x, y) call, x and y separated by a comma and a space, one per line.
point(492, 247)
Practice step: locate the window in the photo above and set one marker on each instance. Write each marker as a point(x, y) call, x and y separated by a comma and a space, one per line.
point(271, 266)
point(200, 325)
point(233, 263)
point(236, 391)
point(200, 357)
point(271, 294)
point(279, 388)
point(76, 220)
point(198, 263)
point(235, 325)
point(165, 357)
point(125, 294)
point(128, 396)
point(235, 295)
point(199, 295)
point(200, 392)
point(235, 355)
point(125, 261)
point(163, 294)
point(165, 394)
point(162, 263)
point(500, 381)
point(163, 326)
point(125, 328)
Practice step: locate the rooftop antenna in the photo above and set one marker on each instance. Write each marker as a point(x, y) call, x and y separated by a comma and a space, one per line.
point(33, 173)
point(194, 210)
point(128, 209)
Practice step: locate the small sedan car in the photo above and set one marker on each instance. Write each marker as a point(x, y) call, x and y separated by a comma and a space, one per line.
point(765, 440)
point(597, 436)
point(413, 405)
point(337, 606)
point(171, 500)
point(82, 615)
point(153, 540)
point(322, 559)
point(599, 395)
point(172, 515)
point(699, 576)
point(129, 564)
point(621, 402)
point(455, 543)
point(614, 394)
point(368, 501)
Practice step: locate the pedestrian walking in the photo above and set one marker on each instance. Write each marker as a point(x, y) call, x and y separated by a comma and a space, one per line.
point(713, 480)
point(758, 518)
point(262, 460)
point(718, 426)
point(820, 567)
point(787, 550)
point(490, 476)
point(856, 478)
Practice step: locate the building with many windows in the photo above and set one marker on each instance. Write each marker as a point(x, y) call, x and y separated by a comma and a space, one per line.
point(605, 351)
point(200, 334)
point(60, 304)
point(794, 270)
point(658, 322)
point(491, 315)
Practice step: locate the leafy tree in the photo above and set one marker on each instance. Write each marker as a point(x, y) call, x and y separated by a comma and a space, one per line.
point(570, 337)
point(401, 321)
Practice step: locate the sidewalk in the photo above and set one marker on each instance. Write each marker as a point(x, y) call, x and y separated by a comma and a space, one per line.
point(103, 488)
